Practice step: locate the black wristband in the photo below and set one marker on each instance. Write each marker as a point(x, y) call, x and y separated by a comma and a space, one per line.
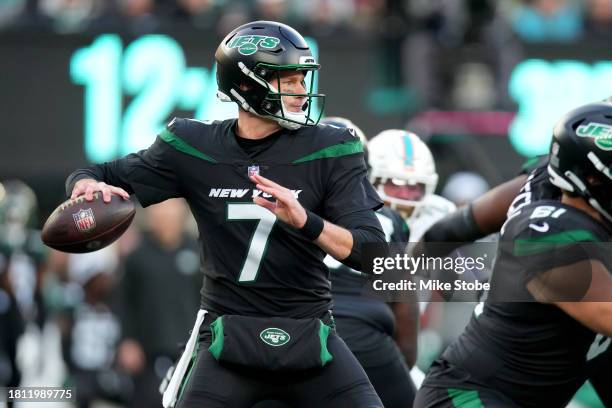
point(313, 226)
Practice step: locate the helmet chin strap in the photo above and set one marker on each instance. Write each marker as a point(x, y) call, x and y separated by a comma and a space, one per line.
point(294, 116)
point(245, 106)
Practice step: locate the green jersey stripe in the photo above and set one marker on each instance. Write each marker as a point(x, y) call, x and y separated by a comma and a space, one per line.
point(180, 145)
point(338, 150)
point(536, 245)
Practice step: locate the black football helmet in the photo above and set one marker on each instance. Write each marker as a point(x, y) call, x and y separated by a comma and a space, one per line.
point(581, 155)
point(250, 60)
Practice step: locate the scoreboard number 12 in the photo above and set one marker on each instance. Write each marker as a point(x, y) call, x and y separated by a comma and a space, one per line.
point(152, 77)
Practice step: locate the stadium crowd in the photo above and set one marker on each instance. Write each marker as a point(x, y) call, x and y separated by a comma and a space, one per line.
point(531, 20)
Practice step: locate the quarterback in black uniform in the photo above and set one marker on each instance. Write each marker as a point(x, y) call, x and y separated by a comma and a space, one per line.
point(545, 326)
point(272, 193)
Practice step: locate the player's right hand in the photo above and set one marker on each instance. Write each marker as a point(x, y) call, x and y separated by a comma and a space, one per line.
point(88, 187)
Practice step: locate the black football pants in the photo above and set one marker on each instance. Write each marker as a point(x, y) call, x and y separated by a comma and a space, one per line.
point(341, 383)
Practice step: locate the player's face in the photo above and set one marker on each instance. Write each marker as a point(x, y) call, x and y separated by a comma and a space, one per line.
point(292, 82)
point(401, 195)
point(404, 191)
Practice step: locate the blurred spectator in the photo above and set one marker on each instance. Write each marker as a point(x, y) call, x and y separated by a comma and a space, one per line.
point(474, 87)
point(464, 187)
point(138, 17)
point(69, 16)
point(324, 17)
point(160, 298)
point(91, 331)
point(202, 14)
point(10, 11)
point(145, 16)
point(599, 19)
point(234, 14)
point(273, 10)
point(368, 13)
point(548, 20)
point(446, 34)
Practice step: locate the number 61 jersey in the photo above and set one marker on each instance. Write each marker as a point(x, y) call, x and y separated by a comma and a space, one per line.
point(253, 263)
point(520, 344)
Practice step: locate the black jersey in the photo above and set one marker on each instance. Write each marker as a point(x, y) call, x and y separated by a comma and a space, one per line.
point(537, 187)
point(253, 264)
point(533, 353)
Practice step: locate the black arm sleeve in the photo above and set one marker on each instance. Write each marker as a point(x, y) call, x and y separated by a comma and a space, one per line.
point(350, 202)
point(365, 228)
point(348, 189)
point(149, 174)
point(454, 230)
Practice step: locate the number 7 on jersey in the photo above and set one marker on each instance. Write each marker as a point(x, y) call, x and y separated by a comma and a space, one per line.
point(259, 241)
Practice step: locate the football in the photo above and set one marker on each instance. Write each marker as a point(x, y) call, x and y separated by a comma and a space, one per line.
point(79, 226)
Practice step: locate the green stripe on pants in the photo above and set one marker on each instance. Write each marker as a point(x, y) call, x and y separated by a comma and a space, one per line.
point(465, 398)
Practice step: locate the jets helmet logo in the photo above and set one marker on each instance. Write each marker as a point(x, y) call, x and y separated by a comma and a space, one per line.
point(600, 132)
point(274, 337)
point(250, 44)
point(85, 220)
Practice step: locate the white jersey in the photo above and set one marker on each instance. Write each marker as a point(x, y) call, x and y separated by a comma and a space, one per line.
point(432, 209)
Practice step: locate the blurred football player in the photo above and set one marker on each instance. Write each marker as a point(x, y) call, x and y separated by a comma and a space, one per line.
point(404, 174)
point(383, 336)
point(91, 330)
point(11, 326)
point(26, 265)
point(272, 193)
point(545, 327)
point(18, 208)
point(164, 262)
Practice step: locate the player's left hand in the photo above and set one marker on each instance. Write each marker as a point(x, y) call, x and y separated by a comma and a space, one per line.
point(286, 207)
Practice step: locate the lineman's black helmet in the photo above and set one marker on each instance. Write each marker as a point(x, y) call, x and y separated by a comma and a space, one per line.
point(581, 155)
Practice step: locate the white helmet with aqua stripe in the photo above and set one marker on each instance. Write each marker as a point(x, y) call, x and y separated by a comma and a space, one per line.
point(402, 170)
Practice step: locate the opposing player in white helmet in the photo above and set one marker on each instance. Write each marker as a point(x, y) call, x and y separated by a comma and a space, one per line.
point(403, 172)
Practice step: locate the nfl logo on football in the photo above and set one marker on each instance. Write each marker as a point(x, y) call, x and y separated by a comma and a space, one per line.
point(253, 171)
point(84, 220)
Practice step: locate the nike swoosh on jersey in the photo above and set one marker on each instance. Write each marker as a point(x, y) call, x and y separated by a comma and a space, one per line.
point(540, 228)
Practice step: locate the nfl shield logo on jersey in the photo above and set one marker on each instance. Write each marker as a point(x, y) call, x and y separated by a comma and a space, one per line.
point(253, 171)
point(84, 220)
